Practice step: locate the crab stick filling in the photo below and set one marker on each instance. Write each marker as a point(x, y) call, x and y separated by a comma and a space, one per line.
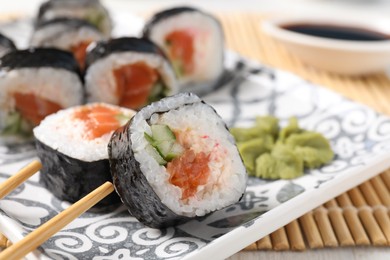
point(189, 170)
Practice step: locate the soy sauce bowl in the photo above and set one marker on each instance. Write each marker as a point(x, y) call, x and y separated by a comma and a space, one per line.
point(342, 56)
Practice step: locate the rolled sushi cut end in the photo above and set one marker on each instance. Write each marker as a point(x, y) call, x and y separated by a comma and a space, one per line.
point(176, 160)
point(91, 11)
point(128, 72)
point(69, 34)
point(193, 41)
point(6, 45)
point(33, 84)
point(72, 146)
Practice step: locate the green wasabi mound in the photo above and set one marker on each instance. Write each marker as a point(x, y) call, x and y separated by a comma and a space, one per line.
point(252, 149)
point(272, 153)
point(281, 163)
point(313, 148)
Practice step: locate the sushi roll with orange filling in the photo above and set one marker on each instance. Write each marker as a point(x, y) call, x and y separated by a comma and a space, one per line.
point(69, 34)
point(72, 146)
point(128, 72)
point(176, 160)
point(33, 84)
point(193, 42)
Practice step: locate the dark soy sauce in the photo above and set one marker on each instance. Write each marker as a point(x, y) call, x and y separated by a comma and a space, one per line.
point(337, 32)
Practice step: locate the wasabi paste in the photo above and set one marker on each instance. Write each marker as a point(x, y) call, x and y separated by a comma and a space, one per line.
point(273, 153)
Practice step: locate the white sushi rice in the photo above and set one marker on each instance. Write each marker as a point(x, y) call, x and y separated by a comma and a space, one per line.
point(208, 43)
point(62, 132)
point(227, 180)
point(100, 81)
point(64, 36)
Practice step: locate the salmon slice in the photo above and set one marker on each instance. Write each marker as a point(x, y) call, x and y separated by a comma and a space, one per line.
point(33, 108)
point(134, 84)
point(189, 171)
point(98, 120)
point(80, 52)
point(181, 49)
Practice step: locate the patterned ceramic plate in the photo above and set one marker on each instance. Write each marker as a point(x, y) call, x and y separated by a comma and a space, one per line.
point(359, 136)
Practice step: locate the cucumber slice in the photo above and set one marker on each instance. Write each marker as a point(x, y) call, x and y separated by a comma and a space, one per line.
point(153, 152)
point(16, 125)
point(164, 147)
point(149, 139)
point(176, 150)
point(162, 133)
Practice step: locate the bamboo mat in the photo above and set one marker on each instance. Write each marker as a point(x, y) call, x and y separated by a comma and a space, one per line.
point(359, 217)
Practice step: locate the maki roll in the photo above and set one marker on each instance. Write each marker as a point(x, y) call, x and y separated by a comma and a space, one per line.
point(33, 84)
point(89, 10)
point(6, 45)
point(193, 41)
point(72, 146)
point(128, 72)
point(68, 34)
point(175, 160)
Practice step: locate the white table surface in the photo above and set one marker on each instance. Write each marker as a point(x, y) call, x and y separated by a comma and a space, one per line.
point(359, 7)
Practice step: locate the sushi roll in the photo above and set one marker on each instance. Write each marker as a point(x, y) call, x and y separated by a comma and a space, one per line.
point(175, 160)
point(67, 34)
point(33, 84)
point(6, 45)
point(128, 72)
point(90, 10)
point(193, 41)
point(72, 146)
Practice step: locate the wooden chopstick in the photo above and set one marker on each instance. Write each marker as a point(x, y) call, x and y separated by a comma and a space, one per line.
point(44, 232)
point(14, 181)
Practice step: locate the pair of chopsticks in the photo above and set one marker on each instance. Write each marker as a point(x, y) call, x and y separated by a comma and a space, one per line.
point(44, 232)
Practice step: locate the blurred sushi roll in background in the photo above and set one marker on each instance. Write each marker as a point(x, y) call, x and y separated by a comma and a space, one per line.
point(6, 45)
point(33, 84)
point(72, 146)
point(90, 10)
point(68, 34)
point(193, 41)
point(128, 72)
point(176, 160)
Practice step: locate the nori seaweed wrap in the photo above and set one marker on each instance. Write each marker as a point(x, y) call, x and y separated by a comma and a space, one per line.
point(6, 45)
